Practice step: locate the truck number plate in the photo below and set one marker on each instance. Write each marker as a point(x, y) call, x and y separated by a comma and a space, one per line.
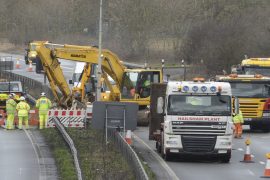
point(247, 119)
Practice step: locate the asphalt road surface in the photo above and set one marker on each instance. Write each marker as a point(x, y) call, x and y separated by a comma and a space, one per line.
point(67, 66)
point(206, 168)
point(24, 156)
point(180, 168)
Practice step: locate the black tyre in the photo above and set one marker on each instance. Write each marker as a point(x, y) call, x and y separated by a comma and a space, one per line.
point(254, 127)
point(158, 147)
point(266, 129)
point(225, 158)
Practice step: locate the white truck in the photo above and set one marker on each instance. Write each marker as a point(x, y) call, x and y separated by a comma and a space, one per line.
point(192, 117)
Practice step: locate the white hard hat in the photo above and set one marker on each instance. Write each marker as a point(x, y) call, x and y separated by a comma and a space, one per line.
point(11, 95)
point(22, 98)
point(43, 94)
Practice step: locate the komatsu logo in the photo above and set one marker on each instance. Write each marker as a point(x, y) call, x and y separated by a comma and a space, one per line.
point(78, 55)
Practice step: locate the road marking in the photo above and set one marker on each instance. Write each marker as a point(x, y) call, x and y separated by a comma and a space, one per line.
point(35, 149)
point(250, 172)
point(261, 162)
point(265, 137)
point(240, 149)
point(160, 160)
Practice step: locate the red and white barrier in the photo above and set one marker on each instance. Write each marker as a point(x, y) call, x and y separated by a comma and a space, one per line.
point(69, 118)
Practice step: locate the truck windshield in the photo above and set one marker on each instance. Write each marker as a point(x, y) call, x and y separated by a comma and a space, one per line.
point(129, 84)
point(257, 70)
point(199, 105)
point(33, 47)
point(9, 87)
point(247, 89)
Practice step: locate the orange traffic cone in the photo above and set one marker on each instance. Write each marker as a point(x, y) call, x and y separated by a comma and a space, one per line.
point(128, 137)
point(247, 156)
point(18, 66)
point(267, 167)
point(30, 68)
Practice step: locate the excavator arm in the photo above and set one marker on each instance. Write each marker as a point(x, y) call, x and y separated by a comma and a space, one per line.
point(50, 53)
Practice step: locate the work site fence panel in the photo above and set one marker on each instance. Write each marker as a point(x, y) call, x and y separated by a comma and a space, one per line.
point(129, 154)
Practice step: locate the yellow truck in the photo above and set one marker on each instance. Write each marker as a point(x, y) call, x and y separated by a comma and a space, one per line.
point(253, 92)
point(253, 66)
point(7, 87)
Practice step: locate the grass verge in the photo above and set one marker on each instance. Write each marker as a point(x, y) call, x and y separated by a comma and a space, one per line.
point(97, 160)
point(61, 153)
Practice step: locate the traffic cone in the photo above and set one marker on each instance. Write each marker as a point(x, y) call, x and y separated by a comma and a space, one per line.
point(267, 167)
point(128, 137)
point(30, 68)
point(247, 156)
point(18, 66)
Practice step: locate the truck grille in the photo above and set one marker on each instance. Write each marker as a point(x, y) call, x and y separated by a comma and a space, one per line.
point(198, 127)
point(198, 144)
point(252, 109)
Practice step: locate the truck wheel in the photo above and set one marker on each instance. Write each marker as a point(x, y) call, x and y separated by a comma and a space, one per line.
point(266, 129)
point(158, 147)
point(254, 127)
point(226, 158)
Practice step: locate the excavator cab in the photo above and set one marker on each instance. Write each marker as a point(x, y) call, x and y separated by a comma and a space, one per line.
point(136, 85)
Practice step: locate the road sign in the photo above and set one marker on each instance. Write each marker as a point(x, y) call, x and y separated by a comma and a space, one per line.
point(114, 115)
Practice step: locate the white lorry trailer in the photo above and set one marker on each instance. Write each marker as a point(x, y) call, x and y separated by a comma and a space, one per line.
point(192, 117)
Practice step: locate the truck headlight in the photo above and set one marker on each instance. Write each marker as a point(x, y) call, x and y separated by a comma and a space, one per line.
point(266, 114)
point(171, 142)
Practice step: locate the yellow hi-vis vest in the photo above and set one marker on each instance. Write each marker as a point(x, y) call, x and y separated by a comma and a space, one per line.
point(238, 118)
point(11, 106)
point(43, 104)
point(23, 108)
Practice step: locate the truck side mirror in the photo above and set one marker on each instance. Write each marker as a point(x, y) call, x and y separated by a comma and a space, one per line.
point(70, 81)
point(160, 104)
point(236, 105)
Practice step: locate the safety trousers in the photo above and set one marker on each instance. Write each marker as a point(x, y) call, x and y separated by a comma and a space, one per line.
point(10, 121)
point(43, 118)
point(238, 130)
point(25, 120)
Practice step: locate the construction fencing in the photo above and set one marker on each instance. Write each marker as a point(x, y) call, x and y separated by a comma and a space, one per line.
point(34, 88)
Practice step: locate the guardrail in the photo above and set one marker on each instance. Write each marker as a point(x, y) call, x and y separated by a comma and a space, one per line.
point(72, 147)
point(129, 154)
point(34, 88)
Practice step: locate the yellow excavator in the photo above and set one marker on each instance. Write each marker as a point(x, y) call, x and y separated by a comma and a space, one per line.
point(129, 84)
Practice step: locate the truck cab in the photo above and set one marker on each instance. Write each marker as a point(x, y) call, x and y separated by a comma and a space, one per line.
point(8, 87)
point(196, 119)
point(253, 92)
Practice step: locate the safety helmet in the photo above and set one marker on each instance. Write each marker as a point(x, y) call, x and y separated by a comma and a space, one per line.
point(22, 98)
point(43, 94)
point(11, 95)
